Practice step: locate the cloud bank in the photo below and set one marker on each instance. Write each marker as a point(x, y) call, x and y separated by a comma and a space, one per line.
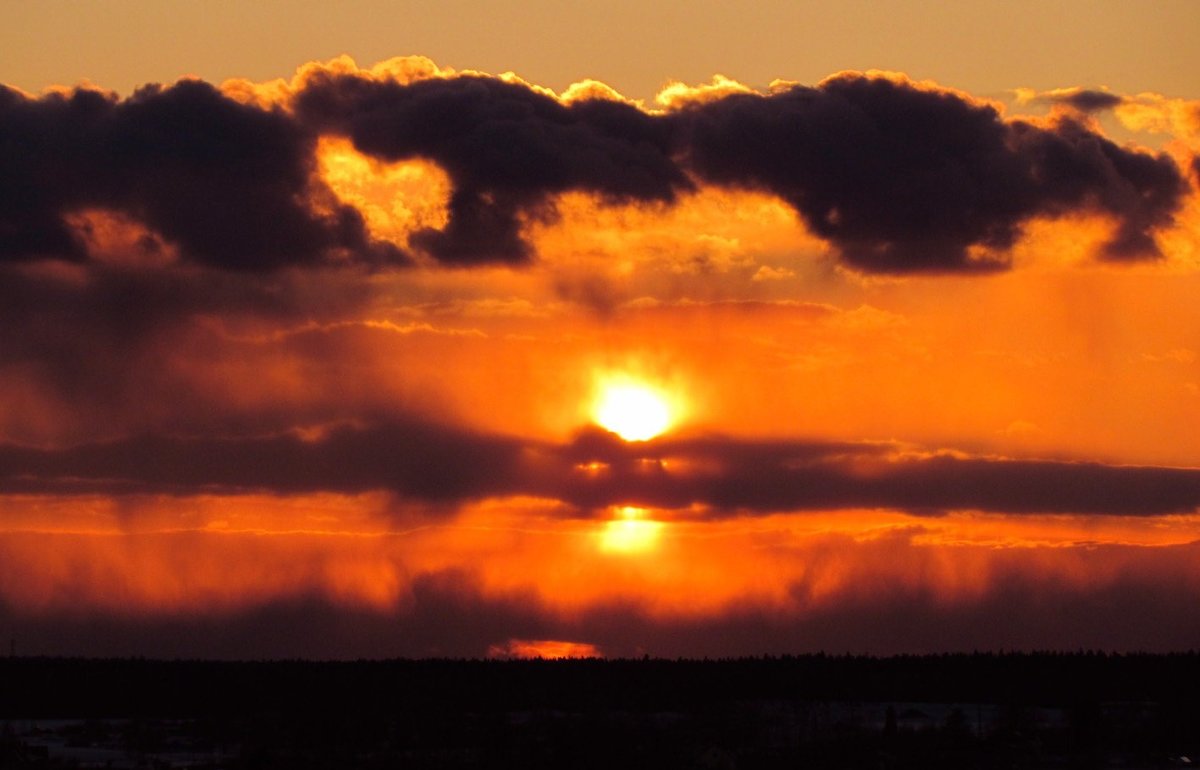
point(899, 177)
point(725, 476)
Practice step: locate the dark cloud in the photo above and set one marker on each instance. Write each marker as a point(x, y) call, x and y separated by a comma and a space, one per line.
point(38, 171)
point(447, 465)
point(742, 476)
point(1083, 99)
point(1076, 168)
point(903, 179)
point(230, 184)
point(506, 148)
point(899, 178)
point(418, 460)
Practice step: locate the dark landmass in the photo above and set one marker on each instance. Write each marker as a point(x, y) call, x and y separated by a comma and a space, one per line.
point(962, 711)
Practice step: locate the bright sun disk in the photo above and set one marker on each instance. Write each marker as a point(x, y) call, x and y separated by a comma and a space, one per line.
point(633, 411)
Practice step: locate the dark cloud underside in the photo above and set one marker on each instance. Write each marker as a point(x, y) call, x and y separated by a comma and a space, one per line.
point(904, 180)
point(506, 147)
point(226, 182)
point(1085, 100)
point(435, 464)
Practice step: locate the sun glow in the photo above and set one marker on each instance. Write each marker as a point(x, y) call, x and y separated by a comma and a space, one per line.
point(630, 532)
point(633, 411)
point(548, 649)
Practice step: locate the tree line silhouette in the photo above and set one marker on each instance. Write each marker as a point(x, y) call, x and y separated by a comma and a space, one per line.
point(1085, 709)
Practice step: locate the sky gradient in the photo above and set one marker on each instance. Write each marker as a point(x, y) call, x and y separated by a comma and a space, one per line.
point(335, 363)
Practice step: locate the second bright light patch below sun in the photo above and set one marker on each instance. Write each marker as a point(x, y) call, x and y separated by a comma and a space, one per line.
point(630, 532)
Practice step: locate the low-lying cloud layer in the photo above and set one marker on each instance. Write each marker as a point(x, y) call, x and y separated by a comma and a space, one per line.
point(724, 476)
point(1147, 608)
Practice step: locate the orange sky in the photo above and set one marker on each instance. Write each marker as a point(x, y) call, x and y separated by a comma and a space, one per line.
point(314, 366)
point(986, 46)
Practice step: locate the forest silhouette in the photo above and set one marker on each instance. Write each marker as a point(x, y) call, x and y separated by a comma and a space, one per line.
point(1085, 709)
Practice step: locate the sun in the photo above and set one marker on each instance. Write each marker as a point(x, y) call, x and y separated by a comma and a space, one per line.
point(632, 410)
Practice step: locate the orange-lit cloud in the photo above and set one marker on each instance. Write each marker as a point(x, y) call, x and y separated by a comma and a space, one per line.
point(395, 199)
